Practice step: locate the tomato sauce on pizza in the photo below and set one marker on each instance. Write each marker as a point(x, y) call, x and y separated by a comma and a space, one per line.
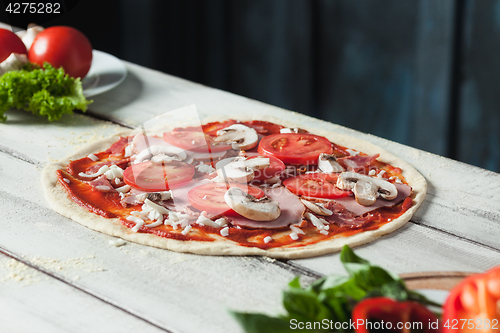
point(255, 183)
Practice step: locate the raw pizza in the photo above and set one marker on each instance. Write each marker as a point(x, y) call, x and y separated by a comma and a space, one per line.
point(236, 187)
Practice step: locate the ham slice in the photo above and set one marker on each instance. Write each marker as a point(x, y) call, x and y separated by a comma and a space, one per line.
point(357, 163)
point(351, 205)
point(102, 184)
point(118, 148)
point(343, 217)
point(291, 211)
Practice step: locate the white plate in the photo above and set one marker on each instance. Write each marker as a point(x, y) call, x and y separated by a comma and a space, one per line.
point(106, 73)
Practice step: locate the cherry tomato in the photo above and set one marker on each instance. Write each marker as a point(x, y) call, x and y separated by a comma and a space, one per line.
point(474, 301)
point(295, 148)
point(316, 185)
point(63, 47)
point(194, 141)
point(10, 43)
point(151, 177)
point(275, 168)
point(210, 197)
point(264, 127)
point(411, 316)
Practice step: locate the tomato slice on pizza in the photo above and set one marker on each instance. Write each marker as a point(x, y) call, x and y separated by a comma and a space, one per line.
point(316, 185)
point(289, 193)
point(194, 141)
point(147, 176)
point(210, 197)
point(295, 148)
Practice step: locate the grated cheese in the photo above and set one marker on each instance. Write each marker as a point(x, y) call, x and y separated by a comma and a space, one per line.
point(128, 151)
point(294, 236)
point(352, 152)
point(297, 230)
point(138, 222)
point(66, 180)
point(114, 172)
point(103, 188)
point(186, 230)
point(93, 157)
point(205, 168)
point(268, 239)
point(101, 171)
point(123, 189)
point(317, 222)
point(225, 231)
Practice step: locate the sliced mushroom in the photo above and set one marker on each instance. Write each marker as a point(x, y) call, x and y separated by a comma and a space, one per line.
point(315, 208)
point(365, 192)
point(239, 136)
point(366, 189)
point(240, 169)
point(328, 163)
point(263, 209)
point(160, 154)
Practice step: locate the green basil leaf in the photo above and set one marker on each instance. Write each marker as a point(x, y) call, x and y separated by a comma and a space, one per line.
point(260, 323)
point(295, 283)
point(304, 305)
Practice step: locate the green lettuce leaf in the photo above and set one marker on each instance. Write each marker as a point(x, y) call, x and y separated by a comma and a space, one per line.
point(46, 91)
point(332, 298)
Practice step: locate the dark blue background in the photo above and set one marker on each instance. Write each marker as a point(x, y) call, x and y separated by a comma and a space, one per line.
point(425, 73)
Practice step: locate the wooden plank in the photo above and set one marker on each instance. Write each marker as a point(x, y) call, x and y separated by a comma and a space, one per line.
point(31, 301)
point(179, 292)
point(457, 193)
point(415, 248)
point(413, 236)
point(38, 140)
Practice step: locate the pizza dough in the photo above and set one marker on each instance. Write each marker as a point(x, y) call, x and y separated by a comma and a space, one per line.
point(60, 202)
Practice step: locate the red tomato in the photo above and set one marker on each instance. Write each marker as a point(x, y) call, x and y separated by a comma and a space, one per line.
point(10, 43)
point(472, 305)
point(295, 148)
point(194, 141)
point(412, 316)
point(151, 177)
point(316, 185)
point(264, 127)
point(212, 128)
point(210, 197)
point(63, 47)
point(275, 168)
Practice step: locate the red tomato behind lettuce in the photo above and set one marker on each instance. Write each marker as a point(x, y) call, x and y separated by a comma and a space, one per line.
point(10, 43)
point(395, 316)
point(474, 304)
point(63, 47)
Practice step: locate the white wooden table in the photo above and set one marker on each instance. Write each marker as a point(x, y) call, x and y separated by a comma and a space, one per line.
point(58, 276)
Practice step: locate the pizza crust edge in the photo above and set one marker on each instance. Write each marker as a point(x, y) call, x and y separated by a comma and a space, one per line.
point(61, 203)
